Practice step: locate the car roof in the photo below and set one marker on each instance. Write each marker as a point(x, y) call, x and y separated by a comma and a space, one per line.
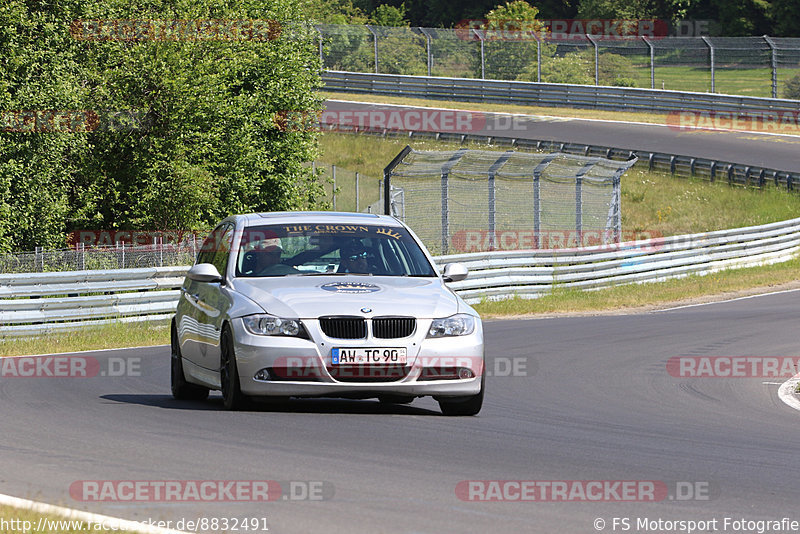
point(316, 217)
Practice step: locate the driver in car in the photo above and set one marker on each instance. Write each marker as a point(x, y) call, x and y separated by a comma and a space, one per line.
point(267, 259)
point(353, 259)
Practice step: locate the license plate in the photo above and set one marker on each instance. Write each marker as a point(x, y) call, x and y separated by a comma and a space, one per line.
point(340, 356)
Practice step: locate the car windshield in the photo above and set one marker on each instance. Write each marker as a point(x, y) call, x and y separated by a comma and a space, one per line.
point(330, 249)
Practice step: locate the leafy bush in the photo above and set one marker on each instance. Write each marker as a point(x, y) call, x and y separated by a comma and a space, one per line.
point(792, 88)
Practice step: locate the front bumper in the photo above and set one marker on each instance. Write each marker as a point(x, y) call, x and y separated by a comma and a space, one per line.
point(302, 367)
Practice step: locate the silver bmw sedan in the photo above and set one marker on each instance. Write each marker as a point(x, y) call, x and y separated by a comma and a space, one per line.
point(323, 304)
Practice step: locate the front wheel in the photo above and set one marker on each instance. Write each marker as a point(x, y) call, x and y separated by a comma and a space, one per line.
point(181, 389)
point(232, 396)
point(470, 405)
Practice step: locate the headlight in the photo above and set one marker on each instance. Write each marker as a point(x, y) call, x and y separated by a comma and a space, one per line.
point(269, 325)
point(455, 325)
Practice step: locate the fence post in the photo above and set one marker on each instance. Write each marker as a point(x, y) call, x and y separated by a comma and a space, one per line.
point(538, 58)
point(358, 206)
point(578, 208)
point(492, 205)
point(428, 47)
point(652, 62)
point(321, 57)
point(483, 54)
point(375, 45)
point(596, 60)
point(333, 174)
point(711, 60)
point(774, 63)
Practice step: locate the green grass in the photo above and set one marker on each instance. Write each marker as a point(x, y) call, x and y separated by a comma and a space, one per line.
point(111, 336)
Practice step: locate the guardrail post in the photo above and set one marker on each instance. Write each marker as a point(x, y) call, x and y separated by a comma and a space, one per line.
point(774, 64)
point(652, 62)
point(711, 60)
point(596, 60)
point(375, 45)
point(713, 170)
point(483, 54)
point(730, 174)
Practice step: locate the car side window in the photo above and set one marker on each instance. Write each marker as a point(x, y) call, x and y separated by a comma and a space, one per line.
point(223, 251)
point(216, 248)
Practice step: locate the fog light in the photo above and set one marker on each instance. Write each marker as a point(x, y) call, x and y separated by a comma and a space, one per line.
point(263, 374)
point(464, 373)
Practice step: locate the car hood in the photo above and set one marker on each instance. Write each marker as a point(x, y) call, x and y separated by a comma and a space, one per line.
point(308, 297)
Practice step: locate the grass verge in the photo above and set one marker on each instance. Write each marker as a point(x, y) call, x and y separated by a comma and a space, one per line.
point(110, 336)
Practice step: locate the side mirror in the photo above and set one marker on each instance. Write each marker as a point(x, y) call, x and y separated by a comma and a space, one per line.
point(204, 272)
point(454, 272)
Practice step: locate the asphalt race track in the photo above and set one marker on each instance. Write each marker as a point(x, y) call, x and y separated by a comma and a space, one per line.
point(592, 401)
point(757, 149)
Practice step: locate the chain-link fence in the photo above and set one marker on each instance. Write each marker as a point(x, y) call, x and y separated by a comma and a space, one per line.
point(752, 66)
point(117, 256)
point(477, 200)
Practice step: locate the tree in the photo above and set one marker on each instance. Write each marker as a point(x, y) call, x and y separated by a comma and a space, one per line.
point(208, 145)
point(511, 30)
point(386, 15)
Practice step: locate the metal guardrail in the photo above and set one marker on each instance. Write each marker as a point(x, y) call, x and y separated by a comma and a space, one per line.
point(529, 274)
point(549, 94)
point(39, 303)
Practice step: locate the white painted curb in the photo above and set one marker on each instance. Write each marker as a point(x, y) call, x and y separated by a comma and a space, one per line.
point(112, 523)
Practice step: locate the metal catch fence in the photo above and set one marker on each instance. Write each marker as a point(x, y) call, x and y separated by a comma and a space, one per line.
point(752, 66)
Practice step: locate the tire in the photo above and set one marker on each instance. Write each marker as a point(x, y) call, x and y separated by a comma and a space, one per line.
point(181, 389)
point(395, 399)
point(232, 396)
point(471, 405)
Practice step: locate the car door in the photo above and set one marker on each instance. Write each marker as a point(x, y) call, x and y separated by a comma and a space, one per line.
point(212, 300)
point(188, 312)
